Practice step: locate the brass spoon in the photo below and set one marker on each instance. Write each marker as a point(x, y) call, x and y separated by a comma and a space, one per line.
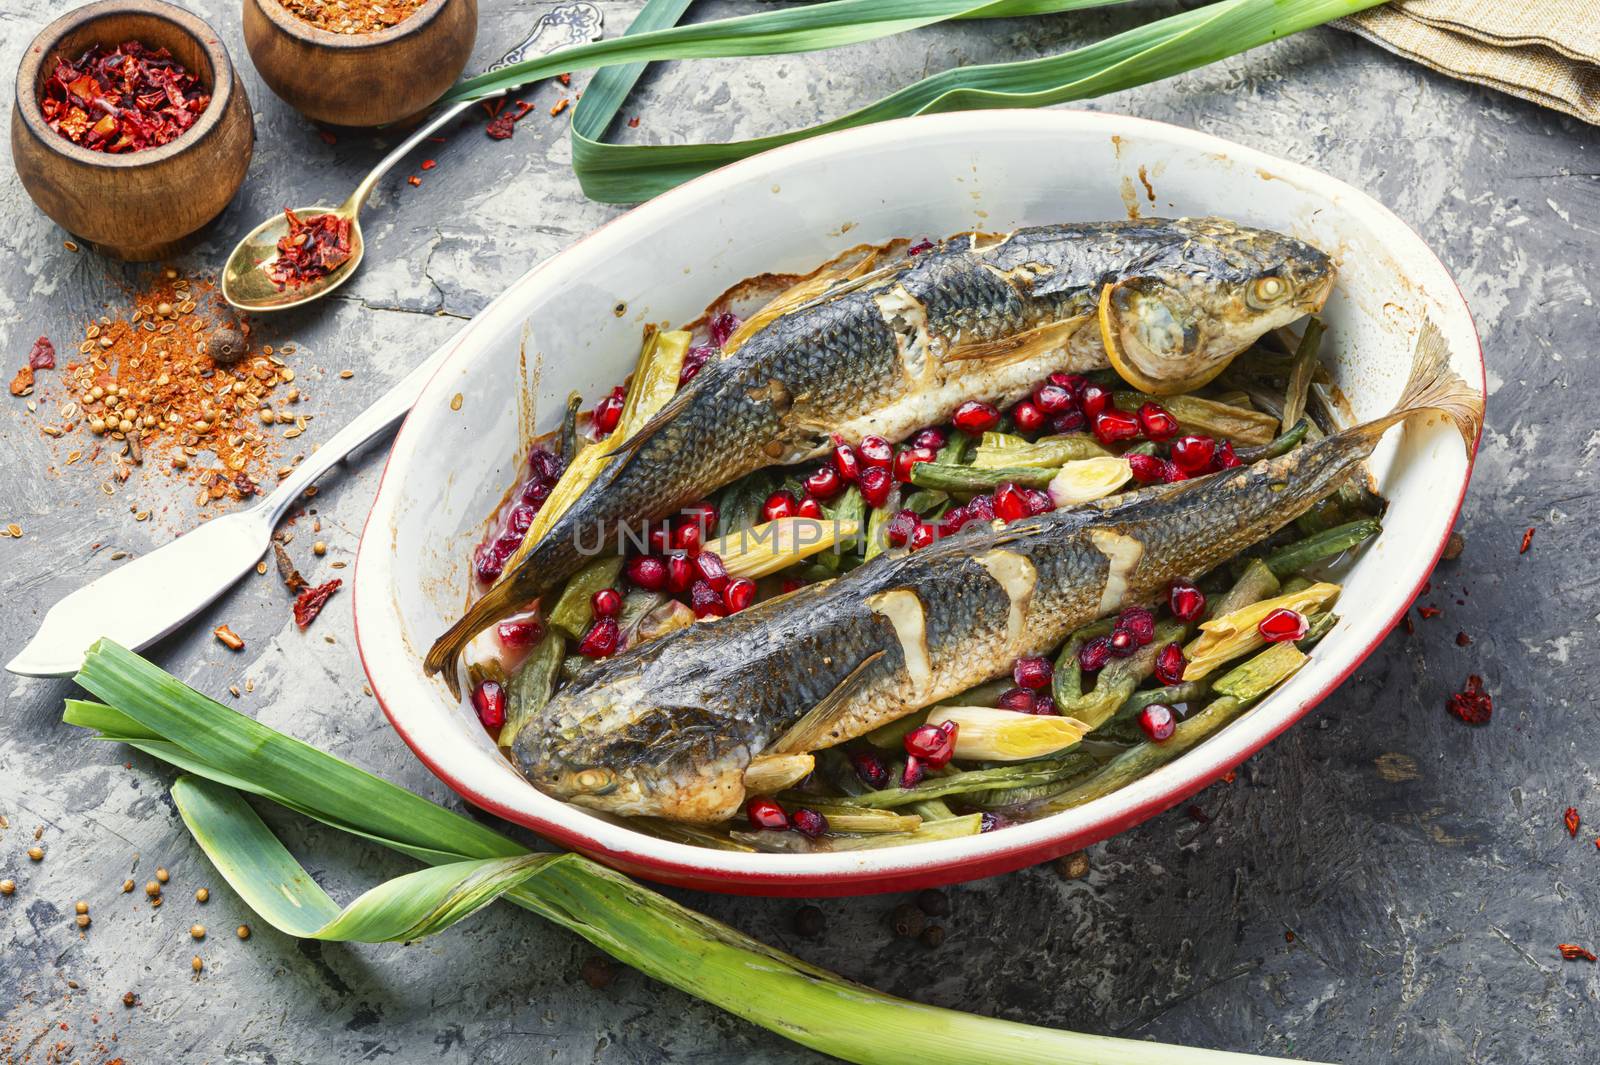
point(245, 283)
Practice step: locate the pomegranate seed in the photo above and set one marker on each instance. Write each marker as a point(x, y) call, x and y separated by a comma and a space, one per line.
point(1095, 653)
point(543, 465)
point(808, 508)
point(601, 639)
point(1226, 459)
point(1282, 625)
point(1112, 426)
point(1185, 600)
point(1032, 672)
point(976, 417)
point(703, 516)
point(519, 634)
point(870, 768)
point(876, 484)
point(900, 528)
point(1122, 642)
point(1170, 664)
point(1147, 469)
point(1070, 420)
point(709, 565)
point(845, 460)
point(1157, 422)
point(766, 814)
point(980, 508)
point(953, 520)
point(722, 327)
point(1027, 417)
point(1158, 722)
point(687, 538)
point(1171, 474)
point(919, 247)
point(607, 413)
point(740, 593)
point(809, 823)
point(922, 536)
point(908, 458)
point(1095, 399)
point(648, 572)
point(659, 538)
point(933, 744)
point(1074, 383)
point(1140, 622)
point(693, 360)
point(606, 603)
point(1010, 503)
point(875, 451)
point(706, 601)
point(1045, 704)
point(824, 484)
point(1021, 700)
point(487, 564)
point(791, 584)
point(680, 573)
point(534, 493)
point(1038, 501)
point(990, 822)
point(779, 504)
point(913, 773)
point(506, 543)
point(932, 439)
point(1052, 399)
point(1193, 454)
point(489, 700)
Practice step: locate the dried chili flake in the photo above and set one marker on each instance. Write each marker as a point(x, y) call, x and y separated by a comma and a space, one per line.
point(125, 99)
point(22, 384)
point(1462, 639)
point(1472, 704)
point(561, 105)
point(1527, 541)
point(633, 123)
point(566, 79)
point(310, 602)
point(1573, 952)
point(42, 356)
point(314, 247)
point(1572, 820)
point(414, 181)
point(329, 137)
point(501, 127)
point(429, 164)
point(352, 16)
point(1429, 612)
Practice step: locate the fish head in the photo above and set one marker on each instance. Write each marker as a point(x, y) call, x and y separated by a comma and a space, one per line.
point(611, 746)
point(1176, 321)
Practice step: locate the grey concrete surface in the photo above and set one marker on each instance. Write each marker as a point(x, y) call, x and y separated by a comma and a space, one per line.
point(1420, 865)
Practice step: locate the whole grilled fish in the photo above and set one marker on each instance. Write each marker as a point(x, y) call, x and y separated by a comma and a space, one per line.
point(668, 728)
point(899, 349)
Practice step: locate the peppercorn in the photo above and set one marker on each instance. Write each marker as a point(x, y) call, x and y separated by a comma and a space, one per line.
point(907, 921)
point(599, 973)
point(809, 922)
point(226, 346)
point(933, 903)
point(1074, 866)
point(129, 998)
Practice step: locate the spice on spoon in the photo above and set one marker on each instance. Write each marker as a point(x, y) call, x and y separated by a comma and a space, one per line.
point(313, 248)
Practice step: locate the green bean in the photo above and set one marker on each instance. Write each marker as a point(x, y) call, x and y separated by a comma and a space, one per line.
point(957, 449)
point(573, 613)
point(1300, 373)
point(569, 427)
point(1120, 678)
point(927, 501)
point(878, 524)
point(1238, 424)
point(851, 507)
point(1294, 584)
point(947, 828)
point(1321, 625)
point(1043, 771)
point(1255, 584)
point(1259, 674)
point(1048, 452)
point(1067, 687)
point(1122, 728)
point(1278, 445)
point(970, 480)
point(1146, 448)
point(1320, 546)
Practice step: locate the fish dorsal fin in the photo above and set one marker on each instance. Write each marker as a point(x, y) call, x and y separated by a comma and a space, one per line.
point(1018, 346)
point(808, 733)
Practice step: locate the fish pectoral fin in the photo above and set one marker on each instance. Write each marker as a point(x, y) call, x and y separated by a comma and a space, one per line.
point(1018, 346)
point(657, 422)
point(808, 733)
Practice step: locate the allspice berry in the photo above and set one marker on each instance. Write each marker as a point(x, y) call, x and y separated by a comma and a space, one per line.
point(162, 875)
point(80, 907)
point(226, 346)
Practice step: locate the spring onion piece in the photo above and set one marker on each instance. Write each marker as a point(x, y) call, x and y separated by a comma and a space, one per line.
point(768, 774)
point(1256, 583)
point(1252, 679)
point(1318, 546)
point(972, 480)
point(1281, 444)
point(767, 548)
point(668, 617)
point(574, 612)
point(1231, 635)
point(985, 734)
point(1300, 374)
point(715, 838)
point(878, 523)
point(973, 782)
point(1195, 415)
point(532, 685)
point(1320, 625)
point(851, 815)
point(948, 828)
point(1003, 450)
point(1088, 479)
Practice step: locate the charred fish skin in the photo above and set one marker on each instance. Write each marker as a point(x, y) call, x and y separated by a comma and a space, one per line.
point(668, 728)
point(973, 318)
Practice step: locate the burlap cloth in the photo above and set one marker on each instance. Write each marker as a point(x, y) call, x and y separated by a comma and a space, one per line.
point(1547, 51)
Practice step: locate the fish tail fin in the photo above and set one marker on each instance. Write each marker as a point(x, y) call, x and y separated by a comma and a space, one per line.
point(442, 657)
point(1433, 386)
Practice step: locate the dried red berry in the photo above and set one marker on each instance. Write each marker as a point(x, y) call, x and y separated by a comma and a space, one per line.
point(910, 457)
point(648, 572)
point(933, 744)
point(680, 573)
point(1032, 672)
point(870, 768)
point(489, 700)
point(976, 417)
point(1146, 469)
point(1157, 422)
point(1158, 722)
point(1472, 704)
point(706, 601)
point(876, 484)
point(1010, 503)
point(606, 603)
point(1185, 600)
point(1283, 625)
point(922, 536)
point(1027, 417)
point(520, 633)
point(1021, 700)
point(1095, 653)
point(875, 451)
point(601, 639)
point(1572, 820)
point(740, 593)
point(1113, 426)
point(766, 814)
point(809, 823)
point(709, 566)
point(1193, 454)
point(845, 461)
point(780, 504)
point(1170, 664)
point(824, 484)
point(900, 527)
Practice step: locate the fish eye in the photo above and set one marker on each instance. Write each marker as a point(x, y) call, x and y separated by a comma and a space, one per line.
point(1266, 291)
point(593, 781)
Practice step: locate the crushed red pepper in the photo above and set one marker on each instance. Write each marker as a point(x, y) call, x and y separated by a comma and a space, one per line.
point(503, 123)
point(1572, 820)
point(1573, 952)
point(42, 356)
point(1463, 640)
point(350, 17)
point(123, 100)
point(1429, 612)
point(310, 602)
point(1527, 541)
point(1472, 704)
point(313, 248)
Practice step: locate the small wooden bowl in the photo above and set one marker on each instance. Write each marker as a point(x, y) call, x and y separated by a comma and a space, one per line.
point(361, 79)
point(139, 205)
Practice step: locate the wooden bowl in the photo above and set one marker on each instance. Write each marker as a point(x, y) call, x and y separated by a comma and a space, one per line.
point(362, 79)
point(139, 205)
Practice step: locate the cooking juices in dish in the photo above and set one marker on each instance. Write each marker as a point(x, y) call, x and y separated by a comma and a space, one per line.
point(929, 612)
point(123, 99)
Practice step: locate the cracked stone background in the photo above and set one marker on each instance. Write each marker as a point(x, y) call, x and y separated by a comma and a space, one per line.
point(1421, 865)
